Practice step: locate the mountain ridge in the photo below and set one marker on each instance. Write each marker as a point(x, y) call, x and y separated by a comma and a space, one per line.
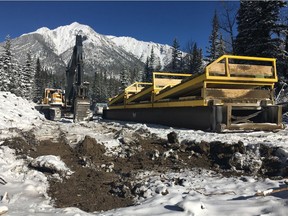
point(101, 52)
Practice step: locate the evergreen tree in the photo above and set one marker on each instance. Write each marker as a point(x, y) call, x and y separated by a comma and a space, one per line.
point(188, 67)
point(196, 63)
point(104, 95)
point(216, 47)
point(99, 88)
point(39, 85)
point(257, 21)
point(124, 79)
point(11, 70)
point(6, 66)
point(260, 33)
point(147, 74)
point(176, 57)
point(134, 76)
point(152, 60)
point(28, 78)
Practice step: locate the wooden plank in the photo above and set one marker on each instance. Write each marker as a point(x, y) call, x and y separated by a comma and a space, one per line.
point(238, 93)
point(142, 95)
point(161, 82)
point(242, 70)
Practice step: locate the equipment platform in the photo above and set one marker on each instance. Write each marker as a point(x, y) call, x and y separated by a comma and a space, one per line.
point(234, 92)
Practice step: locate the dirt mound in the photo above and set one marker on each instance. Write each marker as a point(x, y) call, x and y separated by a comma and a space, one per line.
point(103, 182)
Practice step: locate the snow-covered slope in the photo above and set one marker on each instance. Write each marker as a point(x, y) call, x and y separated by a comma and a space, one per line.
point(142, 49)
point(62, 38)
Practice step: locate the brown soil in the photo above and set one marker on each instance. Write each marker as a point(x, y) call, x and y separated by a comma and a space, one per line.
point(101, 182)
point(94, 186)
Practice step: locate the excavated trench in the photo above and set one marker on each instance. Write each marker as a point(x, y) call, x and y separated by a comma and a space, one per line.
point(103, 182)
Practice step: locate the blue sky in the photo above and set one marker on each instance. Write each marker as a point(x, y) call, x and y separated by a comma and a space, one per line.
point(159, 22)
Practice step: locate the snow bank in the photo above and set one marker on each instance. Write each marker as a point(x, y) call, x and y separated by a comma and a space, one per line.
point(51, 163)
point(23, 187)
point(16, 112)
point(200, 193)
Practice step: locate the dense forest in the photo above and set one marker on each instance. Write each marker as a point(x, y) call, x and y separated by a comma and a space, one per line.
point(255, 28)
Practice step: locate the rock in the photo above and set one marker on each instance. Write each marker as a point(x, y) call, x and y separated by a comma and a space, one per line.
point(172, 137)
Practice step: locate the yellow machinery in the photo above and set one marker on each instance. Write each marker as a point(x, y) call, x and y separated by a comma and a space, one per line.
point(52, 104)
point(76, 101)
point(53, 97)
point(234, 92)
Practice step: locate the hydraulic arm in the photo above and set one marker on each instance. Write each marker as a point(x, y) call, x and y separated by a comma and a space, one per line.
point(76, 89)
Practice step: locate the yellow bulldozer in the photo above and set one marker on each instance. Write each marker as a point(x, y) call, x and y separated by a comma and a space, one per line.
point(52, 103)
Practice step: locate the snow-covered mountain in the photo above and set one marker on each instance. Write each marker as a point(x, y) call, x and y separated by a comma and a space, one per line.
point(104, 53)
point(142, 49)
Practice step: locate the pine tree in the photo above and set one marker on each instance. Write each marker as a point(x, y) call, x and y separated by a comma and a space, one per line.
point(217, 47)
point(104, 88)
point(11, 70)
point(188, 67)
point(99, 87)
point(152, 60)
point(257, 20)
point(27, 78)
point(6, 66)
point(196, 63)
point(124, 79)
point(147, 74)
point(260, 33)
point(39, 85)
point(134, 75)
point(176, 57)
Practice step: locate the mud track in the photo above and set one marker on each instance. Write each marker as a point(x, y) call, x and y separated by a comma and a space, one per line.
point(102, 182)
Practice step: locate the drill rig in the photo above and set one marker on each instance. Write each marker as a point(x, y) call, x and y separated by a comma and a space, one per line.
point(75, 99)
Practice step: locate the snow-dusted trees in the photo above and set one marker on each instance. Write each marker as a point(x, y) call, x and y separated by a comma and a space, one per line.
point(27, 78)
point(124, 78)
point(103, 87)
point(134, 75)
point(147, 73)
point(149, 67)
point(216, 44)
point(10, 70)
point(6, 66)
point(39, 82)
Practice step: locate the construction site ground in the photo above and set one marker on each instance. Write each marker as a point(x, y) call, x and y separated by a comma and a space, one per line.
point(104, 180)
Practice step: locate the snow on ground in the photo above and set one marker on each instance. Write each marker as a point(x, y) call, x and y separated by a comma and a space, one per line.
point(205, 193)
point(16, 112)
point(196, 192)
